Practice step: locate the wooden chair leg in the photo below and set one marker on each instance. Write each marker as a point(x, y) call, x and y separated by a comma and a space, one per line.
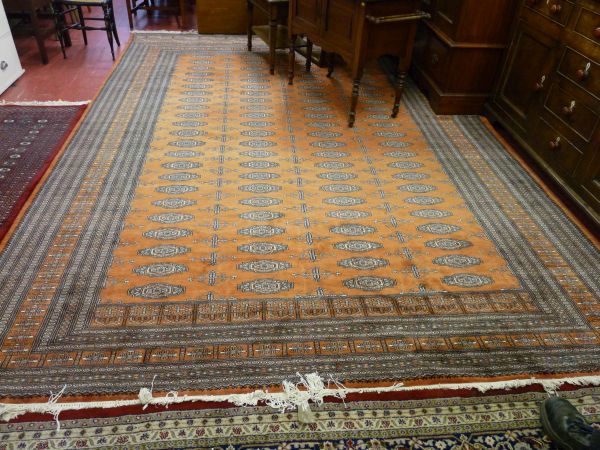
point(129, 13)
point(81, 20)
point(113, 23)
point(108, 25)
point(59, 27)
point(37, 30)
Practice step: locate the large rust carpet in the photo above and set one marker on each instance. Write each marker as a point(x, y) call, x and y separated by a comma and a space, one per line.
point(216, 228)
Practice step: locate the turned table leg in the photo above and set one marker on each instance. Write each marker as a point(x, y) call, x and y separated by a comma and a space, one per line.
point(330, 63)
point(309, 49)
point(292, 58)
point(399, 89)
point(250, 9)
point(272, 42)
point(353, 102)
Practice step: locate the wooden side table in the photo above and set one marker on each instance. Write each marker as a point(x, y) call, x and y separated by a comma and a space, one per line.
point(275, 34)
point(358, 30)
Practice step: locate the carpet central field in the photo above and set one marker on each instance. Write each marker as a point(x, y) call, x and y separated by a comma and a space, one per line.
point(213, 226)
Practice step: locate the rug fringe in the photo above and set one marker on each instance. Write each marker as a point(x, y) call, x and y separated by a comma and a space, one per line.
point(295, 396)
point(47, 103)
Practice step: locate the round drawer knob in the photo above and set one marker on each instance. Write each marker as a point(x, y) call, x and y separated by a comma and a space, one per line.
point(555, 143)
point(539, 85)
point(596, 33)
point(582, 74)
point(3, 65)
point(555, 9)
point(568, 110)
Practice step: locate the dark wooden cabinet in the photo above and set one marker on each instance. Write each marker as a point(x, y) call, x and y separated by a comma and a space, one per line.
point(458, 52)
point(526, 74)
point(548, 93)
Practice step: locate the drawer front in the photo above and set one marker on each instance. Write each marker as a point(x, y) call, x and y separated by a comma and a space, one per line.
point(560, 154)
point(338, 24)
point(306, 14)
point(573, 111)
point(435, 59)
point(9, 60)
point(583, 71)
point(588, 25)
point(526, 76)
point(558, 11)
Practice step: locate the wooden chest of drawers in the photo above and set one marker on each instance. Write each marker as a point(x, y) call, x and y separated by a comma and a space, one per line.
point(548, 94)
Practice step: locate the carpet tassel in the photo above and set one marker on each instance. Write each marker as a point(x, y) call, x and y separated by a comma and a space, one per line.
point(295, 396)
point(145, 394)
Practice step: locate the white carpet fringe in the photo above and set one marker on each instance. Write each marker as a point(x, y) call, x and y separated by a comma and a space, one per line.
point(48, 103)
point(295, 396)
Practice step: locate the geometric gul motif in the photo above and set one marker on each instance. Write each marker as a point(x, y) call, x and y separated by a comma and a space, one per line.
point(294, 210)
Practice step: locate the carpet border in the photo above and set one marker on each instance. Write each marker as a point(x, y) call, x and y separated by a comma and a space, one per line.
point(6, 234)
point(543, 185)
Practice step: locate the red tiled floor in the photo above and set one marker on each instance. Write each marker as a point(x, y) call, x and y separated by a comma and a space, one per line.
point(80, 75)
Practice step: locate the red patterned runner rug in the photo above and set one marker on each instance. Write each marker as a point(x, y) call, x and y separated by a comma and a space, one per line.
point(31, 137)
point(427, 421)
point(210, 229)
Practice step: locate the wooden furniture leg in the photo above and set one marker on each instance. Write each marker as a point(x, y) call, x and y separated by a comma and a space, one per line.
point(81, 20)
point(184, 18)
point(330, 63)
point(108, 26)
point(402, 69)
point(309, 49)
point(250, 9)
point(399, 89)
point(272, 39)
point(39, 37)
point(354, 101)
point(114, 24)
point(292, 58)
point(129, 14)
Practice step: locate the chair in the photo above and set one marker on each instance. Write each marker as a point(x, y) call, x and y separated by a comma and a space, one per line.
point(178, 8)
point(74, 9)
point(27, 17)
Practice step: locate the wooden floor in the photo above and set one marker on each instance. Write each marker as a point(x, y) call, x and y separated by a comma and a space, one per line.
point(80, 75)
